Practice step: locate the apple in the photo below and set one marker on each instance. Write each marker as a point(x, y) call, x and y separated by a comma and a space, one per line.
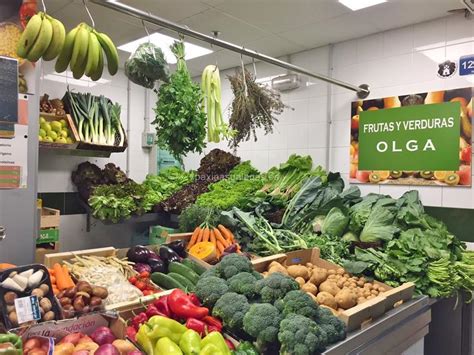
point(355, 123)
point(353, 171)
point(85, 339)
point(464, 175)
point(72, 338)
point(362, 176)
point(466, 154)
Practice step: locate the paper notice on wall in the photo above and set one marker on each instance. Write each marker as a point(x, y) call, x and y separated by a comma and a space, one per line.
point(13, 128)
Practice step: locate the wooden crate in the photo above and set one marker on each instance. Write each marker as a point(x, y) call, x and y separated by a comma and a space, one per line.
point(70, 125)
point(354, 317)
point(51, 259)
point(50, 218)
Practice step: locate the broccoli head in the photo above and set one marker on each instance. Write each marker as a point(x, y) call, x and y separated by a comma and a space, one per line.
point(333, 326)
point(210, 272)
point(300, 335)
point(233, 264)
point(243, 283)
point(262, 322)
point(298, 302)
point(210, 289)
point(231, 308)
point(275, 286)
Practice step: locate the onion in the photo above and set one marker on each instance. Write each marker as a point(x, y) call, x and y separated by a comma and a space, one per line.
point(107, 349)
point(103, 335)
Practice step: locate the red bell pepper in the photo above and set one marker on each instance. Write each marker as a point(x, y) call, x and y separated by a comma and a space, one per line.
point(212, 323)
point(195, 299)
point(131, 333)
point(182, 306)
point(139, 319)
point(197, 325)
point(162, 306)
point(229, 344)
point(153, 311)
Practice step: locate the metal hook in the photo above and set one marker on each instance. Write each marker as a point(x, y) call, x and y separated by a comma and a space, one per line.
point(89, 13)
point(146, 30)
point(44, 6)
point(254, 67)
point(214, 35)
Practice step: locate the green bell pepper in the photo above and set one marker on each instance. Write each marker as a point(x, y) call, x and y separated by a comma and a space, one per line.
point(216, 339)
point(190, 342)
point(246, 348)
point(12, 339)
point(211, 349)
point(144, 340)
point(165, 346)
point(165, 327)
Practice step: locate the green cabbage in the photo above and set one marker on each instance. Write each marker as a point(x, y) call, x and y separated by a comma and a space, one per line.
point(379, 226)
point(335, 223)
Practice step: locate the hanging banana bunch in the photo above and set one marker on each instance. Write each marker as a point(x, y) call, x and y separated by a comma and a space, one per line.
point(84, 52)
point(211, 88)
point(43, 38)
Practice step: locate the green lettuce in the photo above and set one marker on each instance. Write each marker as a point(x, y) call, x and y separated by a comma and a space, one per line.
point(379, 226)
point(335, 223)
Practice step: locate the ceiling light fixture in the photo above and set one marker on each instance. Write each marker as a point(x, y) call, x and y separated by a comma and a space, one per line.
point(67, 78)
point(355, 5)
point(164, 42)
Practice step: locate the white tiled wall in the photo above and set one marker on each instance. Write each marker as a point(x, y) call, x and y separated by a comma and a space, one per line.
point(55, 170)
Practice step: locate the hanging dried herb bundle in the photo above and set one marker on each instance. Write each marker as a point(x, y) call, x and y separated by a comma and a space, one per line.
point(254, 106)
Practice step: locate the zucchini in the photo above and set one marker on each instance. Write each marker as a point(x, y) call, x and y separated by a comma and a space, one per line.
point(166, 282)
point(183, 270)
point(188, 285)
point(198, 269)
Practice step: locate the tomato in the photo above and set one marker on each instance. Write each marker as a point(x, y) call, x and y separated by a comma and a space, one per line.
point(147, 292)
point(132, 280)
point(145, 274)
point(27, 11)
point(140, 285)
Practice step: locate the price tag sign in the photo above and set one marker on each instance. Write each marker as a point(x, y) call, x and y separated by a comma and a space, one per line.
point(466, 65)
point(27, 309)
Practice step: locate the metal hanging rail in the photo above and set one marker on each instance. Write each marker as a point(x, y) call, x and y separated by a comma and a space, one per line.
point(362, 91)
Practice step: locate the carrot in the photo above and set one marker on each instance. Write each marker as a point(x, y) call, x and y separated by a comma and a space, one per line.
point(53, 279)
point(68, 277)
point(225, 232)
point(61, 279)
point(194, 237)
point(206, 234)
point(220, 247)
point(51, 271)
point(212, 236)
point(220, 238)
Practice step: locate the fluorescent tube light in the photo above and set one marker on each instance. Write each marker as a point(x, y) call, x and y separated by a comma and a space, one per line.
point(164, 42)
point(355, 5)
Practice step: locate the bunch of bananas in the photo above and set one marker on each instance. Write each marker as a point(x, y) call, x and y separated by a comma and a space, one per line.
point(43, 37)
point(82, 51)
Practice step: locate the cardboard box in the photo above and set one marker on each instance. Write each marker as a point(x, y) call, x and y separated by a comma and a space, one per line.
point(40, 253)
point(50, 218)
point(356, 316)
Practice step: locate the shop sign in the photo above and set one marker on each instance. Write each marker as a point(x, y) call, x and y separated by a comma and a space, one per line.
point(466, 65)
point(421, 139)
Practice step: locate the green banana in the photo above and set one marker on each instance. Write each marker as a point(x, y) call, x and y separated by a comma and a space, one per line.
point(29, 35)
point(66, 52)
point(79, 68)
point(42, 41)
point(79, 51)
point(57, 42)
point(92, 54)
point(97, 74)
point(110, 52)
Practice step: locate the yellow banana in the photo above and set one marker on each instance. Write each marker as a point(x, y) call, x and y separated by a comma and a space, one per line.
point(66, 52)
point(97, 74)
point(42, 41)
point(57, 42)
point(92, 54)
point(29, 35)
point(110, 52)
point(81, 45)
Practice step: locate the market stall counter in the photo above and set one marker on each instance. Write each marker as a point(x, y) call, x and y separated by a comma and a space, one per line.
point(394, 332)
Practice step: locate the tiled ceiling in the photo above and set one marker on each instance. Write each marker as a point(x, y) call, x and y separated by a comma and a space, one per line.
point(273, 27)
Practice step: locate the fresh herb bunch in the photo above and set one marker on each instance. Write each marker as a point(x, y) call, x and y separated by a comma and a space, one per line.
point(180, 121)
point(196, 215)
point(254, 106)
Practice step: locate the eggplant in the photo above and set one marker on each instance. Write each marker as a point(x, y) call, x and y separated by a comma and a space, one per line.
point(178, 246)
point(138, 254)
point(168, 255)
point(231, 249)
point(141, 267)
point(157, 265)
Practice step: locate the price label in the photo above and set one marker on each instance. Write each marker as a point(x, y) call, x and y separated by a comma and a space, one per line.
point(466, 65)
point(27, 309)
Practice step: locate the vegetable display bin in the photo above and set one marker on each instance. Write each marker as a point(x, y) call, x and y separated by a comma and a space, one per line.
point(49, 117)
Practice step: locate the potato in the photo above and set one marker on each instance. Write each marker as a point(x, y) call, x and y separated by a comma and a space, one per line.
point(355, 278)
point(309, 265)
point(332, 272)
point(327, 299)
point(309, 287)
point(374, 292)
point(362, 278)
point(346, 299)
point(331, 277)
point(10, 297)
point(45, 304)
point(48, 316)
point(366, 294)
point(37, 292)
point(361, 300)
point(340, 271)
point(368, 286)
point(360, 283)
point(330, 287)
point(276, 267)
point(370, 297)
point(347, 284)
point(318, 276)
point(375, 286)
point(298, 271)
point(44, 288)
point(347, 276)
point(312, 296)
point(340, 283)
point(382, 290)
point(100, 292)
point(13, 318)
point(300, 281)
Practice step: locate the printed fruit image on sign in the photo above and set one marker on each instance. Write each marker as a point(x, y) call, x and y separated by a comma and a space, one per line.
point(421, 139)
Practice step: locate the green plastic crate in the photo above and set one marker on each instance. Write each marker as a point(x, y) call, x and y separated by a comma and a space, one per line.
point(158, 234)
point(50, 235)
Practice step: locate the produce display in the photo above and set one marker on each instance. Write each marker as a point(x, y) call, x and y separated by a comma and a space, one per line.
point(25, 281)
point(85, 51)
point(10, 34)
point(147, 65)
point(55, 131)
point(211, 88)
point(97, 119)
point(180, 121)
point(254, 106)
point(53, 106)
point(11, 344)
point(43, 37)
point(82, 298)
